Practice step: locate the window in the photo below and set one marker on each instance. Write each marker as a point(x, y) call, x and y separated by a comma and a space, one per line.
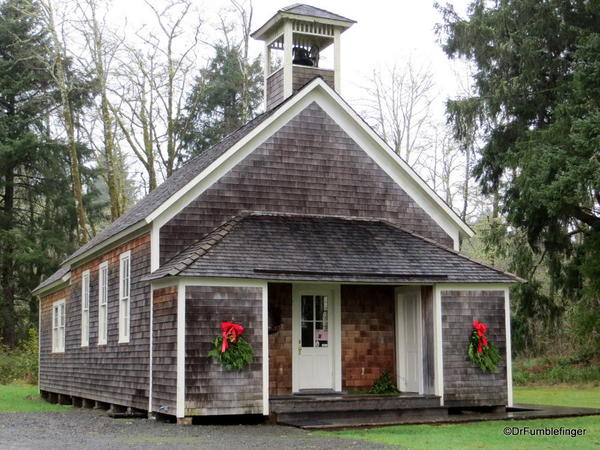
point(58, 326)
point(102, 303)
point(85, 308)
point(124, 285)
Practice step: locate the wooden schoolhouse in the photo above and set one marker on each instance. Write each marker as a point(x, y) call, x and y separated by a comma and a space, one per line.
point(304, 227)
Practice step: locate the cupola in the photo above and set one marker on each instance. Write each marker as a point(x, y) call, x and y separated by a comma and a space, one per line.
point(294, 40)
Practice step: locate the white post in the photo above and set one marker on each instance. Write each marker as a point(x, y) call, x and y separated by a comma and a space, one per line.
point(266, 70)
point(288, 44)
point(509, 381)
point(337, 60)
point(438, 344)
point(180, 390)
point(265, 348)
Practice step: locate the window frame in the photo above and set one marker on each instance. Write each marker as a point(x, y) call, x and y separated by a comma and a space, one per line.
point(124, 297)
point(58, 326)
point(103, 307)
point(85, 312)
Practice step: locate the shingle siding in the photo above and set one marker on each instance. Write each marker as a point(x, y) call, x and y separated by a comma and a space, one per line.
point(209, 389)
point(113, 373)
point(309, 166)
point(464, 382)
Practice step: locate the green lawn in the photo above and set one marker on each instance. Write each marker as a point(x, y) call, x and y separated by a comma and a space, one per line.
point(490, 435)
point(25, 398)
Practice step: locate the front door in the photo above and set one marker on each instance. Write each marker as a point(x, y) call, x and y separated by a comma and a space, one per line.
point(408, 339)
point(312, 339)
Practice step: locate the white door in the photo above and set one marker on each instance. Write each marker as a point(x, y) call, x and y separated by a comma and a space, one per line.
point(312, 339)
point(409, 339)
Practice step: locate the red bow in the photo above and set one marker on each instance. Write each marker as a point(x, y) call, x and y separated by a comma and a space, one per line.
point(481, 330)
point(231, 331)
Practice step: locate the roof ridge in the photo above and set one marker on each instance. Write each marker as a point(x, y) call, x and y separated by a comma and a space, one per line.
point(451, 250)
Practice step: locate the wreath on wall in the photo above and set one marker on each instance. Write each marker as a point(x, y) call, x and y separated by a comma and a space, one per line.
point(230, 349)
point(481, 351)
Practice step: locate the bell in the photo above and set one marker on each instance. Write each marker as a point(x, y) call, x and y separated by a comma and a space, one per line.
point(302, 57)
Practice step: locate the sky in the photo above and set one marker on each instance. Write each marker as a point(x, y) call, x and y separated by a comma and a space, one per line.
point(386, 32)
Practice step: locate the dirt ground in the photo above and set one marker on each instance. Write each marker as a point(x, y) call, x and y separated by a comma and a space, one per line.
point(92, 429)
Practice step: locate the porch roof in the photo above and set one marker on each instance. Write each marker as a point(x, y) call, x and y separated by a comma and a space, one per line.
point(323, 248)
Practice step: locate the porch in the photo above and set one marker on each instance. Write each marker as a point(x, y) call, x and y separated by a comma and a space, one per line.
point(323, 411)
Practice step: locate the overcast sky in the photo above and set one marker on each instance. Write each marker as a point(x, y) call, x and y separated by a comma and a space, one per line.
point(386, 32)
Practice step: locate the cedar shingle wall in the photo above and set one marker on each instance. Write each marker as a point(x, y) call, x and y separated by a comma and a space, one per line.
point(210, 390)
point(310, 166)
point(280, 343)
point(164, 350)
point(113, 373)
point(464, 382)
point(303, 74)
point(275, 89)
point(368, 335)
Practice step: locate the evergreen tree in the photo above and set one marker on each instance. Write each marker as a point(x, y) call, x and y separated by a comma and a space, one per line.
point(37, 215)
point(537, 100)
point(216, 105)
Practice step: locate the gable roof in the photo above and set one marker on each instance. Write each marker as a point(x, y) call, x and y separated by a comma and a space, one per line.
point(189, 175)
point(324, 248)
point(175, 182)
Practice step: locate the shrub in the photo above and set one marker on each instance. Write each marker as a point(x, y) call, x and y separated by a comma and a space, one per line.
point(21, 363)
point(384, 385)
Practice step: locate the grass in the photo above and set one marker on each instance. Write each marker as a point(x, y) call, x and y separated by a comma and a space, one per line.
point(489, 435)
point(25, 398)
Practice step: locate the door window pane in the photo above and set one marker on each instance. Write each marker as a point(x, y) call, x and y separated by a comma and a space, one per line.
point(307, 334)
point(322, 339)
point(307, 307)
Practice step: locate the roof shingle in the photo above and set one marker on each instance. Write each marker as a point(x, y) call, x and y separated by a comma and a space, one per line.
point(291, 247)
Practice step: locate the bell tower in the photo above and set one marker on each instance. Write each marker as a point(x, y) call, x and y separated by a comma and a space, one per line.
point(294, 41)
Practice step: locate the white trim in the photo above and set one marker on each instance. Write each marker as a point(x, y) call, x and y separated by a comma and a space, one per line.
point(85, 318)
point(124, 326)
point(180, 350)
point(400, 349)
point(438, 362)
point(288, 43)
point(154, 246)
point(337, 55)
point(150, 343)
point(59, 347)
point(473, 286)
point(108, 242)
point(316, 91)
point(265, 348)
point(103, 292)
point(337, 337)
point(54, 286)
point(509, 379)
point(334, 324)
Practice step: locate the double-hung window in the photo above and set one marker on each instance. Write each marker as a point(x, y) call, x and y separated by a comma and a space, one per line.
point(85, 308)
point(124, 295)
point(58, 326)
point(102, 303)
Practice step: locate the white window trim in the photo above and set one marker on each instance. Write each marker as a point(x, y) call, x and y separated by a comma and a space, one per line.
point(85, 312)
point(102, 293)
point(124, 322)
point(58, 346)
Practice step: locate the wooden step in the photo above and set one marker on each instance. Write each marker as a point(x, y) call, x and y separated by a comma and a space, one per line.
point(310, 404)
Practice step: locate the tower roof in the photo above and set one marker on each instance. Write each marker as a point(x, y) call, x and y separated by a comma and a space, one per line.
point(298, 10)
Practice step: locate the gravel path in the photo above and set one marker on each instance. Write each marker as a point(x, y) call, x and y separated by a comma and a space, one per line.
point(90, 429)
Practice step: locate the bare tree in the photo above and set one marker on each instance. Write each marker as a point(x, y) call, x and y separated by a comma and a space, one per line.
point(101, 55)
point(56, 62)
point(399, 105)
